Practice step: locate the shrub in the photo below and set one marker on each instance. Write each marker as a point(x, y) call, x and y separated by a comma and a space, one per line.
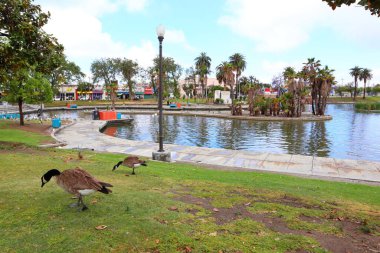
point(369, 106)
point(219, 101)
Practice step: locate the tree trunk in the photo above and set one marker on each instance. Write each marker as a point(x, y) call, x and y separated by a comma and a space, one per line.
point(21, 112)
point(365, 82)
point(355, 89)
point(113, 98)
point(131, 95)
point(236, 86)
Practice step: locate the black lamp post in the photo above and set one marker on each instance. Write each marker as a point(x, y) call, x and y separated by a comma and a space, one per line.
point(160, 34)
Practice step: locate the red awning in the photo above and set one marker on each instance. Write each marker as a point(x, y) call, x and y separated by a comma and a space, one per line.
point(148, 91)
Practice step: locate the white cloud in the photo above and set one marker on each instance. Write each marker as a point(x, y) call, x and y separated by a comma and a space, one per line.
point(134, 5)
point(278, 25)
point(143, 54)
point(274, 25)
point(77, 26)
point(178, 37)
point(273, 68)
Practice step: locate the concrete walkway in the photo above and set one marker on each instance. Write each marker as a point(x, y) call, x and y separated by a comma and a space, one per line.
point(85, 134)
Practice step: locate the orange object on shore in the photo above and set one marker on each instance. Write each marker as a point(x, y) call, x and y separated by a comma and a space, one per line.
point(178, 105)
point(106, 115)
point(68, 105)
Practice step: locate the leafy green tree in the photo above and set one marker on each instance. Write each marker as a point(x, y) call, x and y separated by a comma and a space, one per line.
point(128, 70)
point(107, 70)
point(38, 89)
point(30, 87)
point(171, 72)
point(371, 5)
point(190, 81)
point(25, 48)
point(202, 65)
point(243, 83)
point(213, 89)
point(66, 72)
point(355, 72)
point(365, 75)
point(238, 62)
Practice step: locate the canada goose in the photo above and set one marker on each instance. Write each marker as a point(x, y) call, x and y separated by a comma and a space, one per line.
point(131, 162)
point(78, 182)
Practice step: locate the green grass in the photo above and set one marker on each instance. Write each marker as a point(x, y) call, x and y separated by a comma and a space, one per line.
point(368, 106)
point(137, 215)
point(349, 99)
point(14, 135)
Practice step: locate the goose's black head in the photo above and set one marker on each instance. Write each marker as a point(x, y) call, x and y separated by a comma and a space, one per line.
point(117, 165)
point(48, 175)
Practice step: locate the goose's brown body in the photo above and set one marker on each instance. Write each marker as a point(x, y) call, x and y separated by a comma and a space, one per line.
point(76, 180)
point(132, 161)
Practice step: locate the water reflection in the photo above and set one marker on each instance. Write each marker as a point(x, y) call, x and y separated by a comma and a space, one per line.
point(349, 135)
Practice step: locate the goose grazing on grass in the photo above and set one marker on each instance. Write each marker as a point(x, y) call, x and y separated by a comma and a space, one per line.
point(131, 162)
point(78, 182)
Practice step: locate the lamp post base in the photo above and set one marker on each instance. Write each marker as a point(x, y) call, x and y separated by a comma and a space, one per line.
point(161, 156)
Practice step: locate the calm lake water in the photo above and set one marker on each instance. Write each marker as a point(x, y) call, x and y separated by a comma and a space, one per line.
point(350, 135)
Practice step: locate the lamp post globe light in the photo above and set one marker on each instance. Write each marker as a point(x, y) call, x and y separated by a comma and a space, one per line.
point(160, 155)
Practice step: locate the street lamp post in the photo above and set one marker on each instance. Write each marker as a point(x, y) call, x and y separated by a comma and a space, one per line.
point(160, 154)
point(160, 35)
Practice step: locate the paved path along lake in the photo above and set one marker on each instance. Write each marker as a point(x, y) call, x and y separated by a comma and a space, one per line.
point(85, 134)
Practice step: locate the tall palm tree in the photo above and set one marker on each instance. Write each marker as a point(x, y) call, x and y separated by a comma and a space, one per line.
point(365, 75)
point(355, 72)
point(202, 65)
point(225, 72)
point(310, 71)
point(325, 80)
point(289, 73)
point(238, 62)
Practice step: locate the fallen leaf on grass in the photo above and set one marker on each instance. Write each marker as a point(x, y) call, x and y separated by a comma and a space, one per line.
point(157, 241)
point(187, 249)
point(213, 234)
point(100, 227)
point(173, 208)
point(215, 210)
point(247, 204)
point(94, 201)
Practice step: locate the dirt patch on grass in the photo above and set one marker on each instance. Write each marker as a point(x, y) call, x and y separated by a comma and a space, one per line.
point(43, 129)
point(11, 147)
point(353, 239)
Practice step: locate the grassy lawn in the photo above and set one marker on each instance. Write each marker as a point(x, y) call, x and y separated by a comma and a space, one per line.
point(9, 133)
point(348, 99)
point(178, 208)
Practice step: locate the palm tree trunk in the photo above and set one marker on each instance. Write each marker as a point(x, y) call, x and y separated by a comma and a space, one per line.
point(365, 82)
point(236, 86)
point(356, 87)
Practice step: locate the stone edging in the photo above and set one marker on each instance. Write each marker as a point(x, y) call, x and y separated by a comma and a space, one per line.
point(54, 132)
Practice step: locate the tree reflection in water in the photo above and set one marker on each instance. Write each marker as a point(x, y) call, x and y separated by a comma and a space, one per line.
point(340, 137)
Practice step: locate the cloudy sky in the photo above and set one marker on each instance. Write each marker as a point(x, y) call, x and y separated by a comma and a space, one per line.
point(270, 34)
